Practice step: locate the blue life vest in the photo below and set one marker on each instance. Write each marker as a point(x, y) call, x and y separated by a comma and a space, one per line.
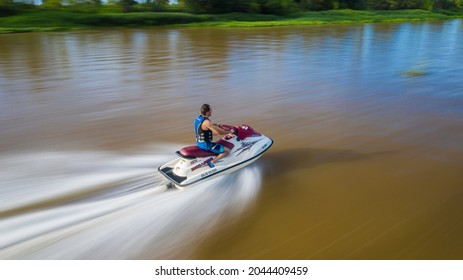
point(202, 135)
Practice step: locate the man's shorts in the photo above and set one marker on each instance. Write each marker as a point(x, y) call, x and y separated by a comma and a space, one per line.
point(211, 147)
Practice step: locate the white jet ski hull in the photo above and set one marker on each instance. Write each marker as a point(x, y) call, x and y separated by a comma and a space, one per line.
point(187, 170)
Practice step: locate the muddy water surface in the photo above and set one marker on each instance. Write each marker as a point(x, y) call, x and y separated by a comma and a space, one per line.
point(367, 123)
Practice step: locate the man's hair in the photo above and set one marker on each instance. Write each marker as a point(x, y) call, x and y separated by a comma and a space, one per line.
point(205, 108)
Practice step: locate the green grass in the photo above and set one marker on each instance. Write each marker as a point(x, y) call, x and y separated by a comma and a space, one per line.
point(329, 17)
point(43, 20)
point(53, 20)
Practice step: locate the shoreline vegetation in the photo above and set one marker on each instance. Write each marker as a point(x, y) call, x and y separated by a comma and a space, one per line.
point(43, 20)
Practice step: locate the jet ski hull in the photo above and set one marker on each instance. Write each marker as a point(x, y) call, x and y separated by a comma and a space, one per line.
point(188, 170)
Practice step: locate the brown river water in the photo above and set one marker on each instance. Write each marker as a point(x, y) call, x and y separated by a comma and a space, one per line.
point(367, 161)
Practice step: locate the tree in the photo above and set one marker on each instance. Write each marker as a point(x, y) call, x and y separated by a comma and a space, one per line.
point(287, 6)
point(352, 4)
point(246, 6)
point(6, 3)
point(448, 4)
point(126, 4)
point(52, 3)
point(277, 7)
point(383, 5)
point(158, 5)
point(316, 5)
point(6, 7)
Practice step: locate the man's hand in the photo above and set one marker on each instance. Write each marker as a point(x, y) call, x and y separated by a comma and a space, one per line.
point(216, 129)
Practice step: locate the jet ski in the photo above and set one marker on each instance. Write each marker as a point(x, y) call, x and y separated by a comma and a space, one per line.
point(246, 145)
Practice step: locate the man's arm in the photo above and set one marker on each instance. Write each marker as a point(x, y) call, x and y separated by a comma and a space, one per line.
point(215, 129)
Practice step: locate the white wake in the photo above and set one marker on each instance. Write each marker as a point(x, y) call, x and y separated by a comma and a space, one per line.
point(96, 205)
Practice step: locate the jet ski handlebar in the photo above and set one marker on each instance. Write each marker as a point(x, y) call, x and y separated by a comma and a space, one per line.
point(242, 131)
point(231, 128)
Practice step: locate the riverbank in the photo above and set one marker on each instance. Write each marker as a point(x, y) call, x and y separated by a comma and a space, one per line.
point(46, 20)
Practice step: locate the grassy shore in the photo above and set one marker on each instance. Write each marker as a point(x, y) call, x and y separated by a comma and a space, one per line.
point(44, 20)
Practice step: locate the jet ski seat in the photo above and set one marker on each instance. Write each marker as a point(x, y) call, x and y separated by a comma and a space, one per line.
point(192, 152)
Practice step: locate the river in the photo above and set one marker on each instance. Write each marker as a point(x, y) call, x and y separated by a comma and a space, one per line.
point(367, 123)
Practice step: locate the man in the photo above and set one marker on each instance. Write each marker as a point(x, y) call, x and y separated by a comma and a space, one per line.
point(204, 129)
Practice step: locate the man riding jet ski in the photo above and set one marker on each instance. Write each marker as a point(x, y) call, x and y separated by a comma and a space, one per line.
point(204, 130)
point(240, 146)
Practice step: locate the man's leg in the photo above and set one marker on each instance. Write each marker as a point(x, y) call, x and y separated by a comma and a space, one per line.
point(225, 153)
